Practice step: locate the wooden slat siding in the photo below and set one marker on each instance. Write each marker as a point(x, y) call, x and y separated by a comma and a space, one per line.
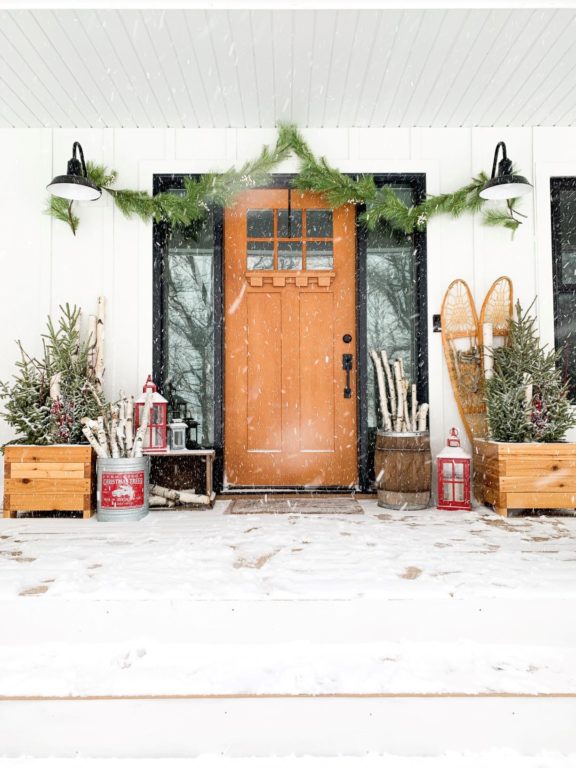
point(49, 478)
point(47, 471)
point(544, 500)
point(525, 475)
point(47, 502)
point(44, 485)
point(48, 453)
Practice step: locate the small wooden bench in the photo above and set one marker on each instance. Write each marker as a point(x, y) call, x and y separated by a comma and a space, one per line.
point(181, 470)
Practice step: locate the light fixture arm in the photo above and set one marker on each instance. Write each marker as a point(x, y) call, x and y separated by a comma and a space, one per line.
point(78, 146)
point(505, 166)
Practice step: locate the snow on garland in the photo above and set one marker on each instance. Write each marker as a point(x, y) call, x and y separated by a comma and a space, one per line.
point(382, 204)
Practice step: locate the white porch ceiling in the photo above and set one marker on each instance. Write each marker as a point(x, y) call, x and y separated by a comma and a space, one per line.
point(324, 68)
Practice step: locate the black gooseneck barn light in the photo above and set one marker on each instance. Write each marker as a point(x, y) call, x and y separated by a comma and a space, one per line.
point(506, 184)
point(75, 184)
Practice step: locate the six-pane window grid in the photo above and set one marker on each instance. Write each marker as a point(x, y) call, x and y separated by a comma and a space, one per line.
point(289, 239)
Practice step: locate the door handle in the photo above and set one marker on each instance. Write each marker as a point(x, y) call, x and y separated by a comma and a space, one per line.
point(347, 366)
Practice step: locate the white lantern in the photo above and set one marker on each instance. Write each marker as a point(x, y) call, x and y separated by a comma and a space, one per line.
point(177, 429)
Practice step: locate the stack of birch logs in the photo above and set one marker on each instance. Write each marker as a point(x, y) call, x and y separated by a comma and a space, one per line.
point(111, 435)
point(399, 405)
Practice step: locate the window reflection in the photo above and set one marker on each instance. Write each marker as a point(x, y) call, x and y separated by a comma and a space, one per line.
point(189, 322)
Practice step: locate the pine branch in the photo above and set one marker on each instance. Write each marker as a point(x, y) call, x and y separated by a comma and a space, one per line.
point(315, 175)
point(61, 209)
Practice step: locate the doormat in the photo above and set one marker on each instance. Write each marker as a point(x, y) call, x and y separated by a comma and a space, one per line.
point(317, 506)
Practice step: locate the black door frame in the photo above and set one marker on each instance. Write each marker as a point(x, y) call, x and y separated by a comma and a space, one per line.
point(417, 182)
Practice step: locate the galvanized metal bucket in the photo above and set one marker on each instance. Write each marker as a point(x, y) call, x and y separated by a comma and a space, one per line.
point(122, 492)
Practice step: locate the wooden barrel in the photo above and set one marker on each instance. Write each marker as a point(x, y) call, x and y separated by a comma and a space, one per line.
point(403, 469)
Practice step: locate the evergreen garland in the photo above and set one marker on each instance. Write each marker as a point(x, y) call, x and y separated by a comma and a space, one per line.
point(315, 175)
point(37, 416)
point(526, 399)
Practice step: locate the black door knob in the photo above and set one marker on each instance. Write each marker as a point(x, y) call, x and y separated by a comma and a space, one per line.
point(347, 338)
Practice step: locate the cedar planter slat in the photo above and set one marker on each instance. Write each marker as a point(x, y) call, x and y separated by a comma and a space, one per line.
point(52, 478)
point(525, 475)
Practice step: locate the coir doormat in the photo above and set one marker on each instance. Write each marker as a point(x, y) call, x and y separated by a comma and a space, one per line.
point(317, 506)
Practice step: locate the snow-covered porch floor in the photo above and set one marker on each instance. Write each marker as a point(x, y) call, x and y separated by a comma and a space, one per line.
point(213, 556)
point(383, 616)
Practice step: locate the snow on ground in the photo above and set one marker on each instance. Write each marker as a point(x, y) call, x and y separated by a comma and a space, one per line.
point(181, 558)
point(499, 758)
point(212, 556)
point(145, 668)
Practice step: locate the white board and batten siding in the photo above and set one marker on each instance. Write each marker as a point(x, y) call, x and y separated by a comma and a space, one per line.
point(43, 265)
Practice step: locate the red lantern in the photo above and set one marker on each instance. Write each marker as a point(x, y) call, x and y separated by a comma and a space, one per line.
point(155, 437)
point(454, 466)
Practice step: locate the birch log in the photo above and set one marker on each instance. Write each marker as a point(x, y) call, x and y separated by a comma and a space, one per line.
point(399, 398)
point(137, 448)
point(406, 410)
point(160, 501)
point(390, 380)
point(414, 404)
point(381, 390)
point(129, 428)
point(99, 350)
point(55, 391)
point(115, 453)
point(89, 435)
point(121, 426)
point(91, 363)
point(488, 349)
point(181, 497)
point(422, 417)
point(101, 435)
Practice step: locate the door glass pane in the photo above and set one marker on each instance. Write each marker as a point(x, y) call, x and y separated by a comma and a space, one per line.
point(318, 223)
point(458, 492)
point(290, 255)
point(319, 255)
point(289, 226)
point(447, 469)
point(566, 336)
point(260, 223)
point(566, 230)
point(391, 300)
point(260, 255)
point(564, 254)
point(188, 339)
point(447, 492)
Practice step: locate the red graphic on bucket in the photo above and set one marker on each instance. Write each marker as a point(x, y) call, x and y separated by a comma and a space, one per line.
point(122, 489)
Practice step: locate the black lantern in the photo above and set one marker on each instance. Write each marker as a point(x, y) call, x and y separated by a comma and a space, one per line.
point(192, 438)
point(506, 184)
point(75, 184)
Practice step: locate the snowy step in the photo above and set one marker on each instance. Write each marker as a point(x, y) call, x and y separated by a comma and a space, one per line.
point(146, 669)
point(281, 726)
point(506, 757)
point(540, 621)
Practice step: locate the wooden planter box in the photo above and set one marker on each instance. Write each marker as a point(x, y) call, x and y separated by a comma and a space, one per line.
point(525, 475)
point(55, 478)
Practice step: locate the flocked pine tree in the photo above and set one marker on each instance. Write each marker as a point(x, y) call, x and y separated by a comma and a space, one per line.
point(527, 401)
point(49, 395)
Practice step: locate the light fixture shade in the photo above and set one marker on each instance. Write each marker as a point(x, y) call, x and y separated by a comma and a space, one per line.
point(75, 184)
point(73, 187)
point(505, 184)
point(505, 188)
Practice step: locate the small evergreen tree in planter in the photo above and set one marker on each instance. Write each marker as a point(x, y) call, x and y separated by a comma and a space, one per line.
point(525, 464)
point(46, 468)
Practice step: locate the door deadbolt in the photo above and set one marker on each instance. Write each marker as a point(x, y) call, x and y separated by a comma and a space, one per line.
point(347, 338)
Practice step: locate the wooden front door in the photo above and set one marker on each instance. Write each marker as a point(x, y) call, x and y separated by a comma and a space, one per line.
point(290, 296)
